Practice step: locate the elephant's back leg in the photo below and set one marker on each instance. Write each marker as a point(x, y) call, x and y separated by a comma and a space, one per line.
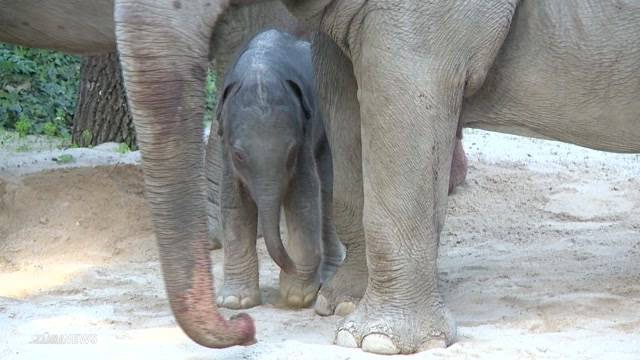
point(332, 253)
point(341, 115)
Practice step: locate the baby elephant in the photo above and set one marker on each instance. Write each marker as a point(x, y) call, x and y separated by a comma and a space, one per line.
point(276, 156)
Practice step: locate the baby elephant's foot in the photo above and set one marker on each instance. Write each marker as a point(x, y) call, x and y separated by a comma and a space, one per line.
point(299, 291)
point(341, 293)
point(328, 268)
point(239, 297)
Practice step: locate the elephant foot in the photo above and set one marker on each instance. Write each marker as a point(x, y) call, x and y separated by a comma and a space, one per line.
point(328, 268)
point(341, 293)
point(239, 297)
point(392, 329)
point(299, 291)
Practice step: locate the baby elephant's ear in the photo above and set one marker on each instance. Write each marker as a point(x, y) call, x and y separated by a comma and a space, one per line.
point(221, 101)
point(302, 96)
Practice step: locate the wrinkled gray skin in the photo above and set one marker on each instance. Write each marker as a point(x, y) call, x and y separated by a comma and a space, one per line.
point(395, 78)
point(275, 155)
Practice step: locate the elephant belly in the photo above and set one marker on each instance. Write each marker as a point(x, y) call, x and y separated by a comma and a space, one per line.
point(568, 71)
point(72, 26)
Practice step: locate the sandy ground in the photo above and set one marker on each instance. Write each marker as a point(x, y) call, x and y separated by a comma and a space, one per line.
point(540, 259)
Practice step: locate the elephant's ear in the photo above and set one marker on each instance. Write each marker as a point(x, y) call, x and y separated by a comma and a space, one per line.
point(302, 97)
point(223, 98)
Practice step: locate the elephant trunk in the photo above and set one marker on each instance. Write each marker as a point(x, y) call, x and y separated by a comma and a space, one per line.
point(168, 121)
point(269, 211)
point(194, 305)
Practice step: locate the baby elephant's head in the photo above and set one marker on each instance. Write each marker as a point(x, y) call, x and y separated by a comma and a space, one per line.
point(263, 120)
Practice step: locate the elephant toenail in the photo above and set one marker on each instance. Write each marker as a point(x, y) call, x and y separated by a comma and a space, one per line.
point(322, 306)
point(346, 339)
point(295, 300)
point(379, 344)
point(246, 302)
point(309, 298)
point(345, 308)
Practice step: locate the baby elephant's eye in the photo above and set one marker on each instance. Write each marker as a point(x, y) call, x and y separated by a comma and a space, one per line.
point(238, 155)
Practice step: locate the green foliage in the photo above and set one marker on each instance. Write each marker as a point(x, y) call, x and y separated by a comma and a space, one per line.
point(22, 127)
point(210, 100)
point(86, 137)
point(37, 87)
point(49, 129)
point(122, 148)
point(64, 159)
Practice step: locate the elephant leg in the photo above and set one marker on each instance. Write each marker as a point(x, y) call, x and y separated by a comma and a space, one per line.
point(332, 253)
point(341, 113)
point(405, 196)
point(239, 218)
point(409, 110)
point(164, 48)
point(414, 64)
point(213, 173)
point(302, 210)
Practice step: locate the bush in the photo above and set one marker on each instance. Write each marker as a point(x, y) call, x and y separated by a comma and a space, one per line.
point(38, 88)
point(22, 127)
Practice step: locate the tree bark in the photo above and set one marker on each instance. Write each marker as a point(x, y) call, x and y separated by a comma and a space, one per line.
point(102, 113)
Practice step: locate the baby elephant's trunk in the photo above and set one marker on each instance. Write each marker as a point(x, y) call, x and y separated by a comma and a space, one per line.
point(270, 217)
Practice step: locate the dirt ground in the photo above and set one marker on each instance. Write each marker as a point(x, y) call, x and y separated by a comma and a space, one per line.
point(540, 259)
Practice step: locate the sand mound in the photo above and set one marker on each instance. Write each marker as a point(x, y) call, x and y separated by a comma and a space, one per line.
point(82, 214)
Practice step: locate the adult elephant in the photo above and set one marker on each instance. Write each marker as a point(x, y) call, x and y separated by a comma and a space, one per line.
point(399, 78)
point(164, 48)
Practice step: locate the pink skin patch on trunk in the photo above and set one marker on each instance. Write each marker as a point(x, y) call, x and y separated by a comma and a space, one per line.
point(198, 309)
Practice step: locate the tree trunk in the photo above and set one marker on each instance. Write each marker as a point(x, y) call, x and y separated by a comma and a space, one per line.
point(102, 113)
